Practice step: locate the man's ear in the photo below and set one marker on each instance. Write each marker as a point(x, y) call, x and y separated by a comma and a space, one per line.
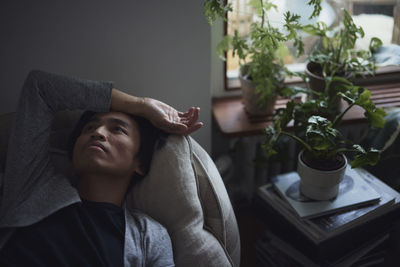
point(138, 167)
point(139, 171)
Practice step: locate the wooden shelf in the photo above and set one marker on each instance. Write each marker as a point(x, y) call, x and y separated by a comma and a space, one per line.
point(233, 121)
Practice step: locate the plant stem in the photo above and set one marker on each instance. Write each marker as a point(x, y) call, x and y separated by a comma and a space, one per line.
point(339, 151)
point(263, 13)
point(306, 146)
point(327, 85)
point(338, 118)
point(340, 48)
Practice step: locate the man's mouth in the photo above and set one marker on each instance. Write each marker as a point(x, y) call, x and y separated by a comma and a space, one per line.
point(97, 145)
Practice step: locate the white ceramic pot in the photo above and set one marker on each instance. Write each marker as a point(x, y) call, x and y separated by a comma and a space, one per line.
point(317, 184)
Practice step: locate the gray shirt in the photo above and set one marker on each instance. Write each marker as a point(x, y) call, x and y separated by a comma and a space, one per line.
point(31, 188)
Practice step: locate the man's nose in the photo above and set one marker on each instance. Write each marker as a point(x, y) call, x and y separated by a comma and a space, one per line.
point(99, 133)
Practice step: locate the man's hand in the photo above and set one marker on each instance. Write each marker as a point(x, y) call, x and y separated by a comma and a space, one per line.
point(169, 119)
point(158, 113)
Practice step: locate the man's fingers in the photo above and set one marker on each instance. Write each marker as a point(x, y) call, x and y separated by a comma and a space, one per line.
point(191, 117)
point(187, 113)
point(193, 128)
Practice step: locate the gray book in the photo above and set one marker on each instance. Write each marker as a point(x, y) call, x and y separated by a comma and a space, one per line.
point(268, 194)
point(354, 192)
point(336, 223)
point(291, 252)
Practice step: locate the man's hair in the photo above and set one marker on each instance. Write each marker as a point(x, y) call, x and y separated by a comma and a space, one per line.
point(151, 139)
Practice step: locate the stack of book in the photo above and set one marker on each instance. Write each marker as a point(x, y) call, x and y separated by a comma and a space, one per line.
point(350, 230)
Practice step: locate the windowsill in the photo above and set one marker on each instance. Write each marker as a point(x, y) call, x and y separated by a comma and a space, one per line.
point(233, 121)
point(383, 74)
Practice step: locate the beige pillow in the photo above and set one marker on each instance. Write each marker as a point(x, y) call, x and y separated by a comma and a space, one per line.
point(185, 193)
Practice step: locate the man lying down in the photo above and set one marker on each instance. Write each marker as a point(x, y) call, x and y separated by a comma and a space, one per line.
point(46, 221)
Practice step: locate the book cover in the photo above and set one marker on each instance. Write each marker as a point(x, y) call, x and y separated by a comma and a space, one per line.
point(353, 192)
point(271, 242)
point(338, 222)
point(268, 194)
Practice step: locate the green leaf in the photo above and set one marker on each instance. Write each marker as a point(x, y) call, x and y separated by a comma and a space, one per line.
point(346, 98)
point(374, 44)
point(271, 134)
point(319, 29)
point(239, 46)
point(363, 99)
point(341, 80)
point(376, 117)
point(223, 46)
point(370, 157)
point(320, 134)
point(292, 24)
point(268, 5)
point(289, 91)
point(214, 8)
point(317, 8)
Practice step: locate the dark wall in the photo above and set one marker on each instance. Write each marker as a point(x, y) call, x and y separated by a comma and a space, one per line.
point(159, 49)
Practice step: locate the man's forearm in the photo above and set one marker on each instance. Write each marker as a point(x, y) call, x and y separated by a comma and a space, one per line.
point(158, 113)
point(126, 103)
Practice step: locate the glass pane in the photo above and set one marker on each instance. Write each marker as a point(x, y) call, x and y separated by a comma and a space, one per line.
point(376, 19)
point(239, 19)
point(379, 24)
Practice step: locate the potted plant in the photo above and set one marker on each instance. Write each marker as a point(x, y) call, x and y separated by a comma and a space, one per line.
point(262, 71)
point(322, 162)
point(336, 55)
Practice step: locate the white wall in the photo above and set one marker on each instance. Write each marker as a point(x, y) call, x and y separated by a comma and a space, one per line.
point(159, 49)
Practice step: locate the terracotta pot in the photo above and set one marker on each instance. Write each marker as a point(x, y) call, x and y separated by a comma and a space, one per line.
point(317, 184)
point(317, 83)
point(250, 100)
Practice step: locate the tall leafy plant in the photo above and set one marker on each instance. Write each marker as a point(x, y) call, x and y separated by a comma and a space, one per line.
point(259, 53)
point(337, 54)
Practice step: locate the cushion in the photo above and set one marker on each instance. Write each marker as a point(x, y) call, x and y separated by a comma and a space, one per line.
point(183, 191)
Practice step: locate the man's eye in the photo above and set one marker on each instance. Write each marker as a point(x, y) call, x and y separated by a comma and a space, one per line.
point(89, 127)
point(119, 129)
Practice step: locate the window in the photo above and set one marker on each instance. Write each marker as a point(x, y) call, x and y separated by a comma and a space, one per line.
point(375, 16)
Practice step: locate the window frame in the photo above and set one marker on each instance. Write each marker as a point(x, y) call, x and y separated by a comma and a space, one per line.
point(383, 74)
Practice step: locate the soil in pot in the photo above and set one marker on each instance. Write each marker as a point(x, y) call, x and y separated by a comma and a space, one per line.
point(323, 164)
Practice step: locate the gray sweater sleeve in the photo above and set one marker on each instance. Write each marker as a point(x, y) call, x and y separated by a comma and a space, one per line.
point(159, 248)
point(157, 244)
point(43, 94)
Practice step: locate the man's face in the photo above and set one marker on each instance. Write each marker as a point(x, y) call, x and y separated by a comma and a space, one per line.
point(108, 145)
